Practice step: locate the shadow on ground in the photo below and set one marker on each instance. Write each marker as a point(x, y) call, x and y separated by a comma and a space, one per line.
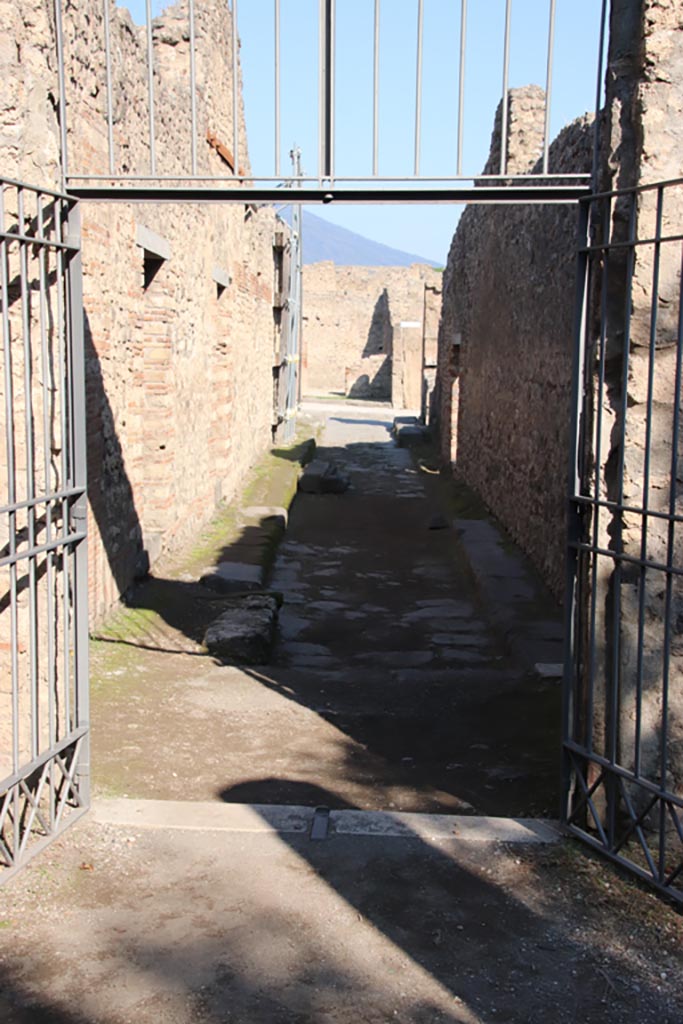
point(274, 929)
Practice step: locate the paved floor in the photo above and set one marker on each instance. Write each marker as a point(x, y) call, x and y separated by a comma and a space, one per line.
point(388, 689)
point(391, 689)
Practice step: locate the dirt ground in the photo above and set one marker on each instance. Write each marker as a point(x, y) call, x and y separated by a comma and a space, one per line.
point(392, 688)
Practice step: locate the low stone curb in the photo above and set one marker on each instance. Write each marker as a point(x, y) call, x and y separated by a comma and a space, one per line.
point(513, 596)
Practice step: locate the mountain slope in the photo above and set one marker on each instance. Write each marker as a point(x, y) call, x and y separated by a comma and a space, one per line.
point(323, 240)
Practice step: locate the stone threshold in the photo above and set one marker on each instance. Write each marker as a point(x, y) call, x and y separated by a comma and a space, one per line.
point(209, 816)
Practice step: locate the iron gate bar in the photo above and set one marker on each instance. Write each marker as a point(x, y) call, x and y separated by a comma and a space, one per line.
point(485, 194)
point(461, 85)
point(549, 85)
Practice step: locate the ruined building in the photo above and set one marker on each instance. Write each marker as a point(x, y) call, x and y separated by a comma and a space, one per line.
point(370, 332)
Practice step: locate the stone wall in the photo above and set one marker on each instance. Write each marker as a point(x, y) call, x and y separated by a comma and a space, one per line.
point(368, 330)
point(179, 366)
point(505, 344)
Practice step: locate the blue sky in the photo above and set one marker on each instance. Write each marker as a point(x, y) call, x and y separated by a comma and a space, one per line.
point(421, 229)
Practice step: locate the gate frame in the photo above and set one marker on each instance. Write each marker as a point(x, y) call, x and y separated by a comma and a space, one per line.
point(46, 794)
point(585, 769)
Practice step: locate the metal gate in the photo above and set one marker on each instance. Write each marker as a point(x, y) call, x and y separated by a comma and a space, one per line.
point(623, 728)
point(43, 567)
point(45, 746)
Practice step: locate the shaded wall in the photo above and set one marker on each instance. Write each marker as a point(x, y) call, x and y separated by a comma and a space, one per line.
point(505, 345)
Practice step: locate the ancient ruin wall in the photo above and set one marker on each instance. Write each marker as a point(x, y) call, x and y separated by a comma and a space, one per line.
point(365, 328)
point(505, 346)
point(179, 368)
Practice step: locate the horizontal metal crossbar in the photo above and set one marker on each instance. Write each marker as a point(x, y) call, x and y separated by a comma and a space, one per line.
point(623, 773)
point(485, 194)
point(621, 556)
point(613, 506)
point(67, 540)
point(43, 499)
point(37, 241)
point(35, 765)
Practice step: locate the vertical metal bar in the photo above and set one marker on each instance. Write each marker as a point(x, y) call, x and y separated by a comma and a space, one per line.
point(235, 90)
point(549, 86)
point(11, 480)
point(326, 90)
point(150, 87)
point(418, 86)
point(668, 601)
point(321, 90)
point(110, 105)
point(598, 92)
point(30, 473)
point(654, 308)
point(75, 317)
point(62, 226)
point(59, 34)
point(193, 88)
point(506, 99)
point(461, 83)
point(277, 88)
point(618, 541)
point(375, 95)
point(49, 557)
point(606, 212)
point(573, 517)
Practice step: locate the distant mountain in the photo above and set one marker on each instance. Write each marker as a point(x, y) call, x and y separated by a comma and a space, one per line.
point(326, 241)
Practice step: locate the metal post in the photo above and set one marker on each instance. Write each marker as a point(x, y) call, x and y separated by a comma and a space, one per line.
point(235, 90)
point(193, 89)
point(62, 92)
point(549, 86)
point(277, 88)
point(574, 511)
point(79, 508)
point(150, 87)
point(107, 61)
point(598, 93)
point(326, 90)
point(418, 86)
point(461, 83)
point(506, 98)
point(375, 95)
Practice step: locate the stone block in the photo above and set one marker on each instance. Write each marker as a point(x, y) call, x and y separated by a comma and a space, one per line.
point(268, 512)
point(408, 434)
point(233, 577)
point(244, 634)
point(322, 477)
